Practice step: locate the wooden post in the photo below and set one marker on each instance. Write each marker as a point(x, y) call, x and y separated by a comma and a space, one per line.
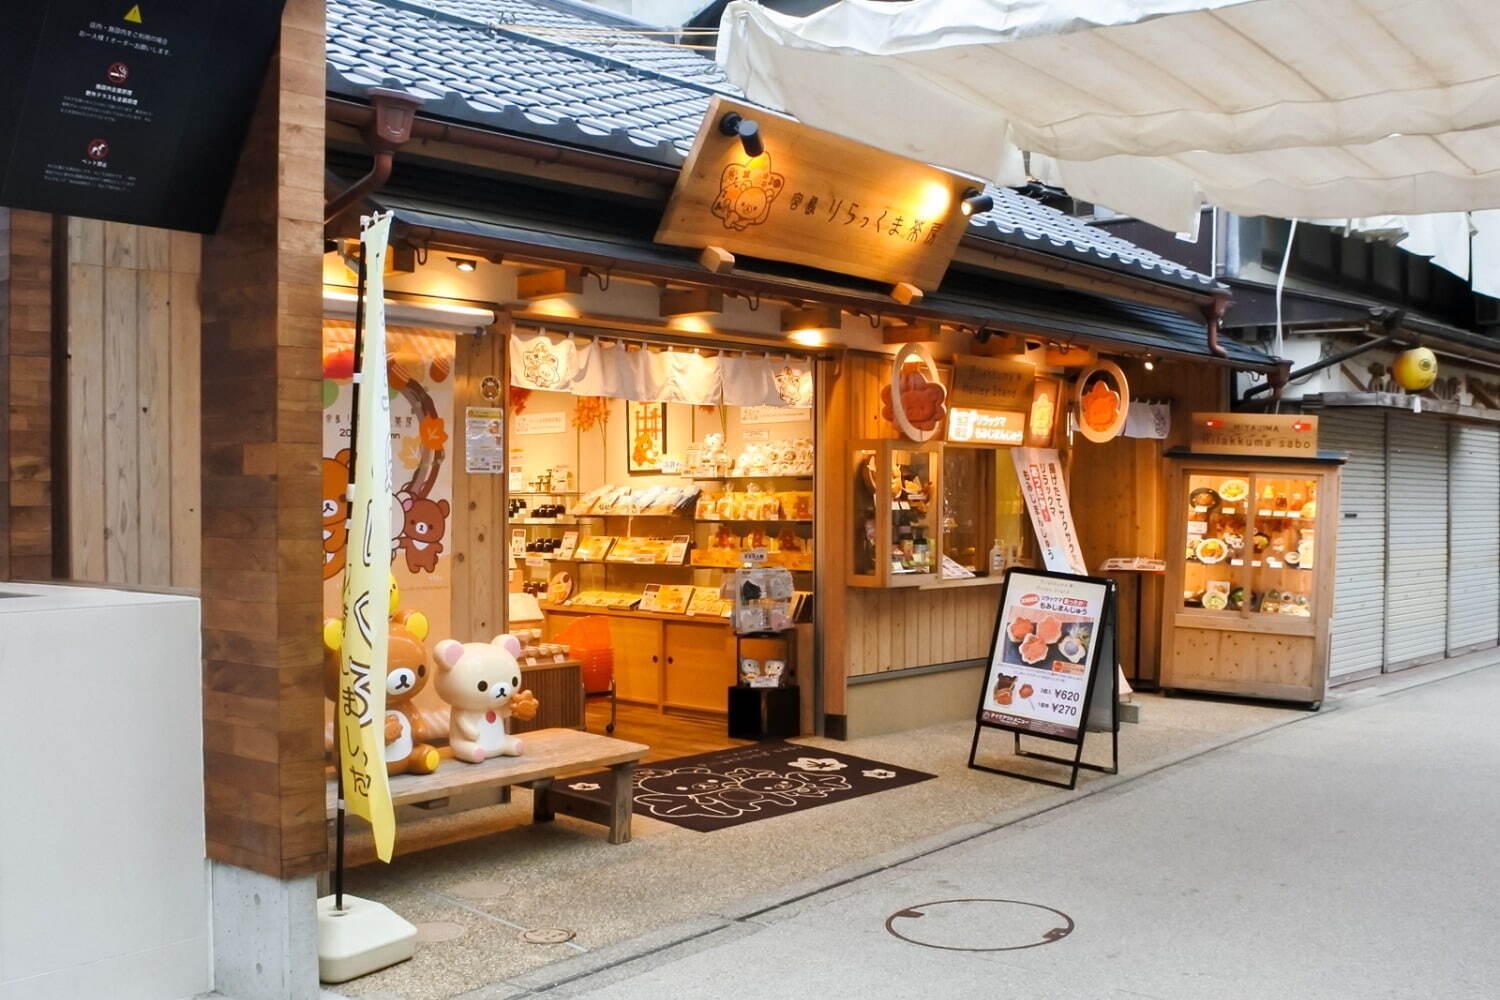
point(261, 448)
point(26, 535)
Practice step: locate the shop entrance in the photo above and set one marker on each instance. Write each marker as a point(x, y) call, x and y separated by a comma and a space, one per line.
point(627, 513)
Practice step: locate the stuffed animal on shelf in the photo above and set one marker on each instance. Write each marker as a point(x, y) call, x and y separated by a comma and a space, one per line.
point(482, 681)
point(406, 733)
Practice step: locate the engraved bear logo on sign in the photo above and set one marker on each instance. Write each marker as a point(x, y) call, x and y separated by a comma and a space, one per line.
point(746, 191)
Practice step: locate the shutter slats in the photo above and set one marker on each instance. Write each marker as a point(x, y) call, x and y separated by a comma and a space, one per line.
point(1416, 539)
point(1359, 589)
point(1474, 533)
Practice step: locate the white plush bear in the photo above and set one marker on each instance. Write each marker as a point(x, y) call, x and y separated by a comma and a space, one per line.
point(482, 681)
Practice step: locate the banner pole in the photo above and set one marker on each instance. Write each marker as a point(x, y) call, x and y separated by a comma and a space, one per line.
point(359, 345)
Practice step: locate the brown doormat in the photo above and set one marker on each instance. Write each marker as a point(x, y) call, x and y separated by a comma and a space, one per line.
point(711, 791)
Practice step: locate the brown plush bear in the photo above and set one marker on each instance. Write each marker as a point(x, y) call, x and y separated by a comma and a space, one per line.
point(406, 735)
point(421, 537)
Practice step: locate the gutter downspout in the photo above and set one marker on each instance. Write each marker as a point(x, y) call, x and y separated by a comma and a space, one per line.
point(1213, 313)
point(388, 128)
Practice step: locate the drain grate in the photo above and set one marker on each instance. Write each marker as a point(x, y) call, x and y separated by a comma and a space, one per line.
point(547, 935)
point(979, 924)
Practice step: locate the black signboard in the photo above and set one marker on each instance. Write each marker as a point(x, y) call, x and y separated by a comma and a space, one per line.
point(132, 112)
point(1053, 667)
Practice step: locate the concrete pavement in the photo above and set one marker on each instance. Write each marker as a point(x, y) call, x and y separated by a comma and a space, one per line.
point(1352, 855)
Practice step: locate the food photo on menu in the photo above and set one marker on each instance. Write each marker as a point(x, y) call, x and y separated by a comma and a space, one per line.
point(1039, 671)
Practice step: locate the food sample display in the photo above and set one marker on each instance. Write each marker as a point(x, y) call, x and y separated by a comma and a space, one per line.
point(1250, 574)
point(1273, 533)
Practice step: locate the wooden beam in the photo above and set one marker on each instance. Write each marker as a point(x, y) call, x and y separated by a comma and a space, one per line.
point(690, 302)
point(545, 284)
point(812, 317)
point(716, 260)
point(920, 332)
point(906, 293)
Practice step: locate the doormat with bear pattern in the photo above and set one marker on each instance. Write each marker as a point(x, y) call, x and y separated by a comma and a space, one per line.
point(711, 791)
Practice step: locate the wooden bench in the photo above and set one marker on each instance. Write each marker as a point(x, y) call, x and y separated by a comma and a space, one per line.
point(549, 754)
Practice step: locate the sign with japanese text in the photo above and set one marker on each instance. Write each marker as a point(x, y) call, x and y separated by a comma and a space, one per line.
point(992, 383)
point(816, 199)
point(990, 400)
point(1046, 403)
point(130, 112)
point(359, 717)
point(1046, 491)
point(1044, 654)
point(1286, 434)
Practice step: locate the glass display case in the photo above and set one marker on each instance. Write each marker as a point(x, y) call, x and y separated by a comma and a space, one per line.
point(1254, 555)
point(896, 517)
point(933, 515)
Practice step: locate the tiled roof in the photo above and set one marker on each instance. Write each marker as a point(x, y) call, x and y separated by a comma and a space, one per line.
point(571, 73)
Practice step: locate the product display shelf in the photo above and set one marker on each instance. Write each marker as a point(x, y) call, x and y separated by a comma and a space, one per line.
point(1250, 574)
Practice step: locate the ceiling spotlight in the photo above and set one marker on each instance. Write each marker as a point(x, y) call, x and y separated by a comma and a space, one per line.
point(464, 263)
point(1148, 364)
point(735, 124)
point(976, 202)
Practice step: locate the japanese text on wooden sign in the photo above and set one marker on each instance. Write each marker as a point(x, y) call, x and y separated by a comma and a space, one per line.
point(816, 199)
point(1290, 434)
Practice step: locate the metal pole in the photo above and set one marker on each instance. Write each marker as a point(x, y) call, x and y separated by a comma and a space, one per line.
point(338, 760)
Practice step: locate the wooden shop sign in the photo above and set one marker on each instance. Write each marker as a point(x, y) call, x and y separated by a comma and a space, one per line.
point(1292, 435)
point(816, 199)
point(990, 400)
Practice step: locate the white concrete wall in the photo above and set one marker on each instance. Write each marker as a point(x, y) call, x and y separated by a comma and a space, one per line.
point(103, 879)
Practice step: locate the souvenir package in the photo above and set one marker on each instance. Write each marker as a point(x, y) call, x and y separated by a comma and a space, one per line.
point(586, 503)
point(707, 506)
point(593, 548)
point(772, 674)
point(749, 671)
point(762, 600)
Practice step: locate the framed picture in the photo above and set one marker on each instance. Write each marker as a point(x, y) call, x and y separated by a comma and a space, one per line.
point(646, 436)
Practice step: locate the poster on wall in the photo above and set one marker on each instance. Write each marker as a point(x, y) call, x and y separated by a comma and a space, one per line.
point(484, 440)
point(130, 112)
point(646, 436)
point(1045, 650)
point(1040, 473)
point(420, 368)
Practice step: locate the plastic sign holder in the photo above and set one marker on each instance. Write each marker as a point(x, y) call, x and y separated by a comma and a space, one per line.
point(1049, 629)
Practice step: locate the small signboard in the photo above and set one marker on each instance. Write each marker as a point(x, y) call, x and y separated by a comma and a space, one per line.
point(1291, 435)
point(131, 112)
point(992, 383)
point(816, 199)
point(1052, 665)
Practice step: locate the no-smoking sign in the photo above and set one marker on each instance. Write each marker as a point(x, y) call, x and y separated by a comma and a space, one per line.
point(118, 73)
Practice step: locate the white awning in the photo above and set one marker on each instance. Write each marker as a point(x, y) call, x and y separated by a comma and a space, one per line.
point(1289, 108)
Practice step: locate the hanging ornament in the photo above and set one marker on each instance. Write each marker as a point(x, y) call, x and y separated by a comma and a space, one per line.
point(1415, 369)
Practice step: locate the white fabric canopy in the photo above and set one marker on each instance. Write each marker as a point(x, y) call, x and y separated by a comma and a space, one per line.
point(1289, 108)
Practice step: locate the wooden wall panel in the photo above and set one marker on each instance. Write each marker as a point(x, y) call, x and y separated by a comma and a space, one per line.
point(899, 629)
point(26, 530)
point(261, 443)
point(1119, 499)
point(133, 375)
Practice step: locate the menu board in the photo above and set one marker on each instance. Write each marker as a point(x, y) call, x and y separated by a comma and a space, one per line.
point(1045, 652)
point(131, 112)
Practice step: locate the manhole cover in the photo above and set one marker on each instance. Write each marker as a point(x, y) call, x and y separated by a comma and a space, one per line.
point(547, 935)
point(979, 924)
point(437, 931)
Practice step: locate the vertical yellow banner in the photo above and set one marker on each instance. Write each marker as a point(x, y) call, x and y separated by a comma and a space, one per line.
point(367, 570)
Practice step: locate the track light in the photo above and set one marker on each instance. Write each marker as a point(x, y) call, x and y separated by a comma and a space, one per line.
point(735, 124)
point(976, 202)
point(464, 264)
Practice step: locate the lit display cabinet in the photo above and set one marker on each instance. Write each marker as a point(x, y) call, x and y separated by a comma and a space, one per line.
point(1250, 574)
point(932, 515)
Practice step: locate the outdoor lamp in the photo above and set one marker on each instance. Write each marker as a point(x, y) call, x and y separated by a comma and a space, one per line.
point(976, 202)
point(735, 124)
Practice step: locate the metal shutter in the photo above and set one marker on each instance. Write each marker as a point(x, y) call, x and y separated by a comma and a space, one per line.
point(1416, 591)
point(1359, 587)
point(1473, 544)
